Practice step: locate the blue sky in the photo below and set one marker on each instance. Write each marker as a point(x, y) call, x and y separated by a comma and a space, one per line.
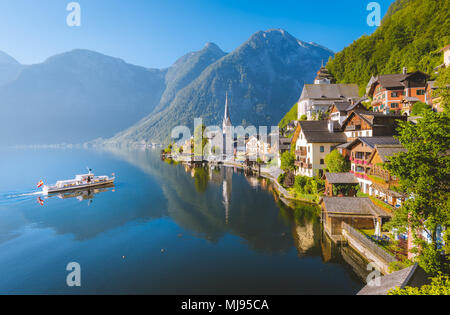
point(154, 33)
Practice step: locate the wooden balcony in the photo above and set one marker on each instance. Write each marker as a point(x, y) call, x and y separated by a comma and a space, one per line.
point(301, 153)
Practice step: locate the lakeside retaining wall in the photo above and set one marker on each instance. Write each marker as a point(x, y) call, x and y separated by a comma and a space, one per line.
point(367, 248)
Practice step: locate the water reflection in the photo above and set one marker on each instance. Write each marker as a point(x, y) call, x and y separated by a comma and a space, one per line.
point(82, 194)
point(230, 222)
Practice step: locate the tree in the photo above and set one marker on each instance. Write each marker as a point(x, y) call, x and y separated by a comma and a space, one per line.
point(287, 161)
point(336, 163)
point(418, 108)
point(440, 285)
point(303, 118)
point(443, 91)
point(423, 171)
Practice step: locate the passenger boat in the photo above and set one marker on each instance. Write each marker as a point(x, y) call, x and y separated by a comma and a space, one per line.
point(80, 182)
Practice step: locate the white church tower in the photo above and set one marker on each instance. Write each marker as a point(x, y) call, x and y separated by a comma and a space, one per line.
point(227, 147)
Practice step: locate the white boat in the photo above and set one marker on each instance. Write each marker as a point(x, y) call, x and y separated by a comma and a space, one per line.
point(83, 181)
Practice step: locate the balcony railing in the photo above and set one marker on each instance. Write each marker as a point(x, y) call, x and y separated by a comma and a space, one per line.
point(301, 153)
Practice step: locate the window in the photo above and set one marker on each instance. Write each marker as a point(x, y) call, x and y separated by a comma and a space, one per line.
point(420, 92)
point(322, 149)
point(322, 162)
point(394, 94)
point(394, 105)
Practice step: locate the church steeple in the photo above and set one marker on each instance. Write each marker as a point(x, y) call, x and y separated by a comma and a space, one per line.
point(226, 117)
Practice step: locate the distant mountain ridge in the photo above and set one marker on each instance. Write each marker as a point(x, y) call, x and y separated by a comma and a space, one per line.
point(81, 95)
point(9, 68)
point(263, 78)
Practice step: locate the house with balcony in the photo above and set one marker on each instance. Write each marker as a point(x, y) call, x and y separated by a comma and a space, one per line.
point(359, 152)
point(397, 92)
point(371, 124)
point(315, 140)
point(385, 185)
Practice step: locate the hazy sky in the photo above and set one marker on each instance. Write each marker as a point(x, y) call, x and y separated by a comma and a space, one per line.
point(154, 33)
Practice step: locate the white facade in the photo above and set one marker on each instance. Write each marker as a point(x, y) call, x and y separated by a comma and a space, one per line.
point(315, 156)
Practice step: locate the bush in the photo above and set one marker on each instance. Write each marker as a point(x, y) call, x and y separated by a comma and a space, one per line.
point(287, 161)
point(419, 107)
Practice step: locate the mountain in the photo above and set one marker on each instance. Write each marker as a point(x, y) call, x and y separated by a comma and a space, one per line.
point(411, 35)
point(263, 78)
point(75, 97)
point(186, 69)
point(9, 68)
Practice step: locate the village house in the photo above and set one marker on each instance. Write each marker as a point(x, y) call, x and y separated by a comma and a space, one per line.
point(340, 184)
point(359, 213)
point(371, 124)
point(318, 97)
point(339, 111)
point(315, 140)
point(397, 92)
point(446, 51)
point(359, 152)
point(258, 147)
point(384, 185)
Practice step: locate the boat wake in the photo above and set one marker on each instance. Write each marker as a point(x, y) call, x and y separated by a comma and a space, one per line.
point(7, 198)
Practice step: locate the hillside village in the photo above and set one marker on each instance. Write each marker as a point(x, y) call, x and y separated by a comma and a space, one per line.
point(358, 135)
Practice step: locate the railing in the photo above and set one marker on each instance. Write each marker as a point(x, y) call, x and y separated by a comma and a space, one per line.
point(301, 153)
point(373, 247)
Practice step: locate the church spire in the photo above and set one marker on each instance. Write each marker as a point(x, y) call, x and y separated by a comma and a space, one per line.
point(226, 117)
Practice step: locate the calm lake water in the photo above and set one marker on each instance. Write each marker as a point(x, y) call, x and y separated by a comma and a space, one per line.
point(163, 229)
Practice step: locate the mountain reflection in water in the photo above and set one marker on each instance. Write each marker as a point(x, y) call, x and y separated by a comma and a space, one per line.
point(178, 229)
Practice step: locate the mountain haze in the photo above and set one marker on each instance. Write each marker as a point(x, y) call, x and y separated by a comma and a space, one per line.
point(76, 96)
point(263, 78)
point(9, 68)
point(82, 95)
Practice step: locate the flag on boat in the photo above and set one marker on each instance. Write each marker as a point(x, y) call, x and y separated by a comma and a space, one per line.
point(40, 184)
point(40, 201)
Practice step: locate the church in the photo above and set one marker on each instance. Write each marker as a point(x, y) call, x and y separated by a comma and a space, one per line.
point(227, 132)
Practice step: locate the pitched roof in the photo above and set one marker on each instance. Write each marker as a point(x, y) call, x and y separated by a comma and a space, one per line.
point(373, 118)
point(391, 80)
point(386, 151)
point(316, 131)
point(371, 142)
point(353, 206)
point(330, 91)
point(413, 276)
point(341, 178)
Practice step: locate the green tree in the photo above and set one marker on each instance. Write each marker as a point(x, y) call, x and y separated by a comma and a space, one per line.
point(288, 161)
point(419, 107)
point(440, 285)
point(423, 171)
point(336, 163)
point(303, 118)
point(443, 91)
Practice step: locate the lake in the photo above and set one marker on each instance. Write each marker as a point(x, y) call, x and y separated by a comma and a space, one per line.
point(162, 229)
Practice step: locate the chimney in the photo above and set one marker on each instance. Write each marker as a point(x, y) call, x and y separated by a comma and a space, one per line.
point(330, 126)
point(405, 70)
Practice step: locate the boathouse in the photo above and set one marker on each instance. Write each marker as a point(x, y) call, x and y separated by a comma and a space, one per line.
point(359, 213)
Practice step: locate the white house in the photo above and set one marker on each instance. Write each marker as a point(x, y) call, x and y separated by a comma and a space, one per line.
point(316, 139)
